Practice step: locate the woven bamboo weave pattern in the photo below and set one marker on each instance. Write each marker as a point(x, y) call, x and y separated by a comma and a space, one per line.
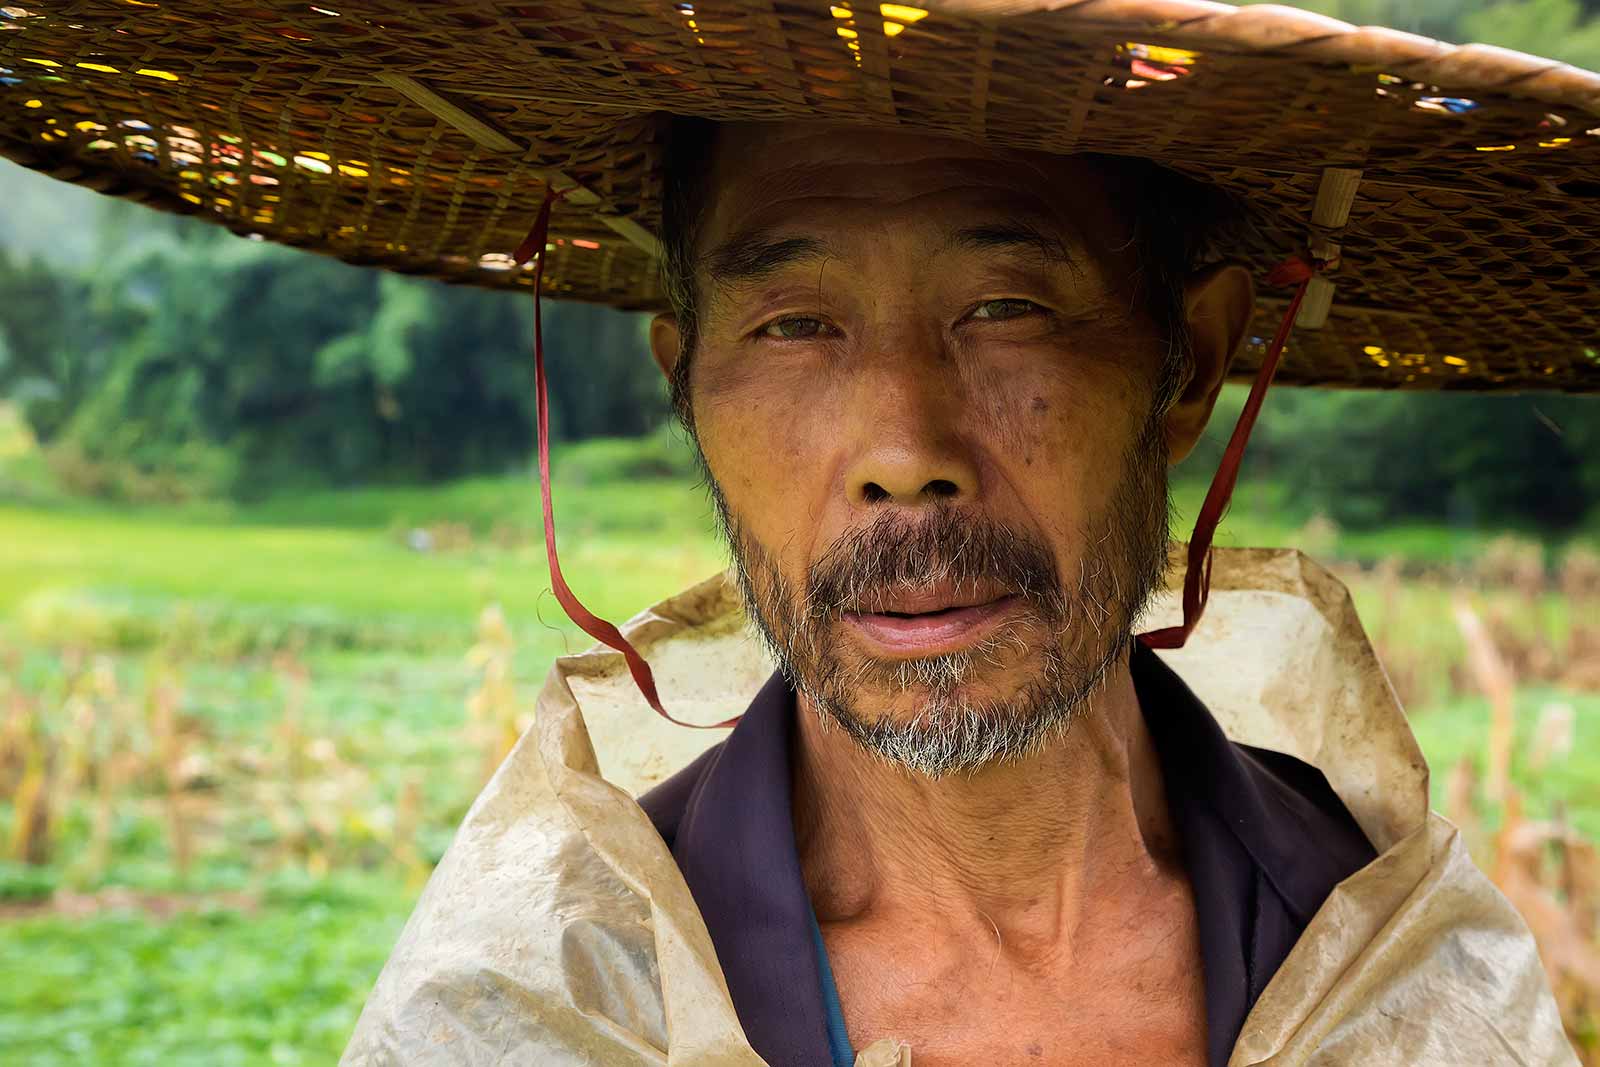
point(420, 138)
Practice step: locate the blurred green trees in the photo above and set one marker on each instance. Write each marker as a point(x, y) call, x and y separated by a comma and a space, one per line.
point(1370, 459)
point(1568, 30)
point(238, 364)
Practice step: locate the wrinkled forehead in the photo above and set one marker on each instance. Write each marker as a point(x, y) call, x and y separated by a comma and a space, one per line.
point(766, 176)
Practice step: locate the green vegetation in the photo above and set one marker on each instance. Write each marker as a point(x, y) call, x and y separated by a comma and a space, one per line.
point(1568, 30)
point(316, 646)
point(355, 570)
point(217, 987)
point(1561, 782)
point(1371, 462)
point(262, 949)
point(174, 368)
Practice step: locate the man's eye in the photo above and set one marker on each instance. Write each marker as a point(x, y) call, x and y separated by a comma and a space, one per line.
point(1003, 309)
point(796, 328)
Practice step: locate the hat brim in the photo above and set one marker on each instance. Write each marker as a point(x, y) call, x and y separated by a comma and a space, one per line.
point(419, 138)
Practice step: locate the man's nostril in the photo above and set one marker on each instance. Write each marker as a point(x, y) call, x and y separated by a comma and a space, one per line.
point(939, 487)
point(874, 493)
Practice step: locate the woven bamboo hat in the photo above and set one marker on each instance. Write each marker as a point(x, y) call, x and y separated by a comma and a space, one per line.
point(1460, 185)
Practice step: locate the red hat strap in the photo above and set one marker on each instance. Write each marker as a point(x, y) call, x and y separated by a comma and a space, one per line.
point(1308, 308)
point(535, 245)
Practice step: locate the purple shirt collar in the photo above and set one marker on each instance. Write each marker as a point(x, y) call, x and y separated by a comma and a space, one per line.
point(1264, 841)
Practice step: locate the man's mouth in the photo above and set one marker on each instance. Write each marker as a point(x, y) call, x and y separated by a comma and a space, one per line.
point(933, 621)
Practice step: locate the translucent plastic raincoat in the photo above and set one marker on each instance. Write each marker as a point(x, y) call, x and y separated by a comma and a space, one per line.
point(557, 930)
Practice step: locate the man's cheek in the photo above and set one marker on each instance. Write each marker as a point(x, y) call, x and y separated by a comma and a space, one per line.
point(754, 375)
point(1038, 403)
point(763, 462)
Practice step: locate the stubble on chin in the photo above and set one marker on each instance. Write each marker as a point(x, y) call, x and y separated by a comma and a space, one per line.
point(1003, 699)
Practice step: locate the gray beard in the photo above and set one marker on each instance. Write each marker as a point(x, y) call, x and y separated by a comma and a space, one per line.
point(1089, 628)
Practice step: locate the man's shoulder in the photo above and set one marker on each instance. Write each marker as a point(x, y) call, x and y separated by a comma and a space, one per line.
point(1280, 808)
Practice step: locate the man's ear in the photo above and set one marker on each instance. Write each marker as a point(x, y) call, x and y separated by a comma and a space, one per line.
point(1218, 302)
point(665, 342)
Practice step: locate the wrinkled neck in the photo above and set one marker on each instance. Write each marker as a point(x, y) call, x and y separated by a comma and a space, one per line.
point(1029, 844)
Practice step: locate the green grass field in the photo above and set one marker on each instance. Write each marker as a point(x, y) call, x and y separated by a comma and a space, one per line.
point(320, 682)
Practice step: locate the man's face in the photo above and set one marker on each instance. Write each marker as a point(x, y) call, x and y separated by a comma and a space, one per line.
point(923, 385)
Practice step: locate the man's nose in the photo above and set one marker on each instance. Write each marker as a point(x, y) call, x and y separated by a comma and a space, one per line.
point(908, 447)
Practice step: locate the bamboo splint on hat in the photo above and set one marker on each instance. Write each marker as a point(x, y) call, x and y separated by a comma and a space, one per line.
point(420, 138)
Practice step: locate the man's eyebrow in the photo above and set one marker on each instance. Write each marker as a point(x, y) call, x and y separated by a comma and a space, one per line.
point(746, 258)
point(1014, 236)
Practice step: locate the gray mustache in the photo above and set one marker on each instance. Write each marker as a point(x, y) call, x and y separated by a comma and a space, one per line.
point(898, 551)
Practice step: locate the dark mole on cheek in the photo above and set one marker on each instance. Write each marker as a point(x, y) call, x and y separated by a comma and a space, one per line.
point(1041, 405)
point(1036, 1049)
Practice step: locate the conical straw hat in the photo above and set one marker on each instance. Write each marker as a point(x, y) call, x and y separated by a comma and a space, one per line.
point(419, 137)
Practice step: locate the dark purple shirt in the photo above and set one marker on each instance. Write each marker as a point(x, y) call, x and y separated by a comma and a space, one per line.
point(1264, 840)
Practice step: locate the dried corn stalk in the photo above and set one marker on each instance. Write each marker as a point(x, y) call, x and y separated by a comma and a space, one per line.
point(1494, 678)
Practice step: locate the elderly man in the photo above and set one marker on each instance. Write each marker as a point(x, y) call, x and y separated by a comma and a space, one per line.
point(935, 384)
point(949, 291)
point(936, 388)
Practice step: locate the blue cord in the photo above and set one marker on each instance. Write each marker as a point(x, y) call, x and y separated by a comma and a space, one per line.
point(838, 1040)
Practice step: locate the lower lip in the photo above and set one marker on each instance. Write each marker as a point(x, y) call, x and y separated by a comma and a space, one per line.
point(934, 634)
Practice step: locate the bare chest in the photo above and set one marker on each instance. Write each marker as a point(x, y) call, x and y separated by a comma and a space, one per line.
point(1126, 995)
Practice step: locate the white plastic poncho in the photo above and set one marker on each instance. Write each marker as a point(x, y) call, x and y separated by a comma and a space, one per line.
point(557, 930)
